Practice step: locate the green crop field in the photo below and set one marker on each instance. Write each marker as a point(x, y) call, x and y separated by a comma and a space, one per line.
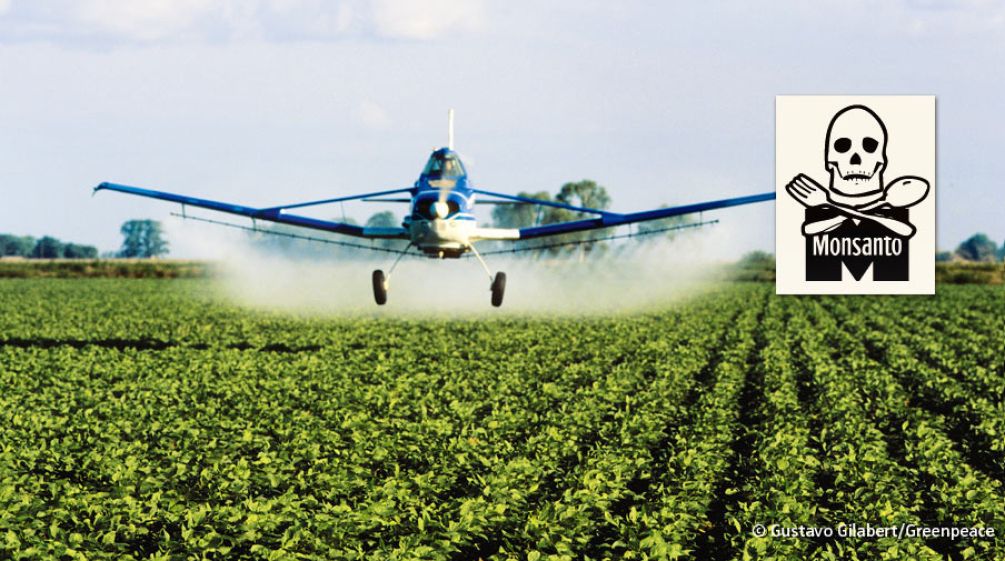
point(145, 419)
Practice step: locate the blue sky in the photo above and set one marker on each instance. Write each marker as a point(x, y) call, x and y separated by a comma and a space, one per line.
point(272, 101)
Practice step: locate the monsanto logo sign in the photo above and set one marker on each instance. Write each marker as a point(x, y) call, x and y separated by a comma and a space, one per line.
point(855, 211)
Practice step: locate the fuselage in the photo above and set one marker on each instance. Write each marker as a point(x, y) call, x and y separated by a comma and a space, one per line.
point(441, 221)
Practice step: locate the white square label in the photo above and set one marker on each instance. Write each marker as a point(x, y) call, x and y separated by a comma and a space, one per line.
point(855, 183)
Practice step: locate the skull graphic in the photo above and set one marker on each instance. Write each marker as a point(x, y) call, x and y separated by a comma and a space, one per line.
point(855, 156)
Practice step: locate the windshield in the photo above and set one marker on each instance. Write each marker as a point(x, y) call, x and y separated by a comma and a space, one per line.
point(444, 166)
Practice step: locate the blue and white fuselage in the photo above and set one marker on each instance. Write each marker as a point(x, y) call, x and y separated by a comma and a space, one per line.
point(441, 221)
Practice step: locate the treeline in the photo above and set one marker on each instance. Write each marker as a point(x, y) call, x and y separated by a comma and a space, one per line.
point(46, 247)
point(759, 266)
point(585, 193)
point(978, 248)
point(104, 268)
point(141, 239)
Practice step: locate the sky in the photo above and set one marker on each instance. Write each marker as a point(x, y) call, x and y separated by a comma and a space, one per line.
point(263, 102)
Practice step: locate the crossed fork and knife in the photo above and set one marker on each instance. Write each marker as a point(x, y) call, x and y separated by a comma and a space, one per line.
point(900, 193)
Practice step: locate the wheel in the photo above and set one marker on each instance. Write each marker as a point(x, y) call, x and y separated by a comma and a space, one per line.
point(379, 287)
point(498, 289)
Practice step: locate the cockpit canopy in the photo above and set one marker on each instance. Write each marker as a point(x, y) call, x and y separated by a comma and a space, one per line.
point(444, 164)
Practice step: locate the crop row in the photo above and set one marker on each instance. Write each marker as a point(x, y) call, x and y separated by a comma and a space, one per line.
point(147, 420)
point(951, 490)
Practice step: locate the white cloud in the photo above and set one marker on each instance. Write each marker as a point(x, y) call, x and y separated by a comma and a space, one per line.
point(922, 17)
point(117, 21)
point(373, 116)
point(144, 21)
point(408, 19)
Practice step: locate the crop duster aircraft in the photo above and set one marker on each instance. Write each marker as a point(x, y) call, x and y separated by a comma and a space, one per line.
point(440, 223)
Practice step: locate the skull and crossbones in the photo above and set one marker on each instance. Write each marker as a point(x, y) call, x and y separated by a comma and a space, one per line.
point(855, 157)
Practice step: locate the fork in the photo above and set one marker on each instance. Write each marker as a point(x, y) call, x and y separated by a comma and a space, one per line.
point(810, 194)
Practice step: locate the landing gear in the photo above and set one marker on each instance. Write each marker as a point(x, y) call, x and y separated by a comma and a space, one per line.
point(498, 286)
point(379, 287)
point(498, 289)
point(381, 282)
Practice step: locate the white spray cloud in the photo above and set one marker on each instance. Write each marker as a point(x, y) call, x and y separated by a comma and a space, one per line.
point(627, 277)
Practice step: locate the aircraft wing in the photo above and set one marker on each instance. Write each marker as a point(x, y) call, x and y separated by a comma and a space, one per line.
point(610, 219)
point(273, 214)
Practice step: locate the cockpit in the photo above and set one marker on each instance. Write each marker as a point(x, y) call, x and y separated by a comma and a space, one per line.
point(444, 165)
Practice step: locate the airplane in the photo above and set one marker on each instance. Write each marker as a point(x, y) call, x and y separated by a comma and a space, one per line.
point(441, 223)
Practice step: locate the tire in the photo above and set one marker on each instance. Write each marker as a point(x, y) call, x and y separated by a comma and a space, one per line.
point(379, 287)
point(498, 289)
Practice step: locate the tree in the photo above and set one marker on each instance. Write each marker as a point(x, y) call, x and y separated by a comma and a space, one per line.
point(943, 257)
point(1001, 252)
point(384, 219)
point(16, 246)
point(757, 259)
point(520, 215)
point(977, 247)
point(143, 239)
point(48, 247)
point(755, 266)
point(78, 251)
point(585, 193)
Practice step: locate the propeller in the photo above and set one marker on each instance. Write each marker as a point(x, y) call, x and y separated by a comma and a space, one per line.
point(440, 208)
